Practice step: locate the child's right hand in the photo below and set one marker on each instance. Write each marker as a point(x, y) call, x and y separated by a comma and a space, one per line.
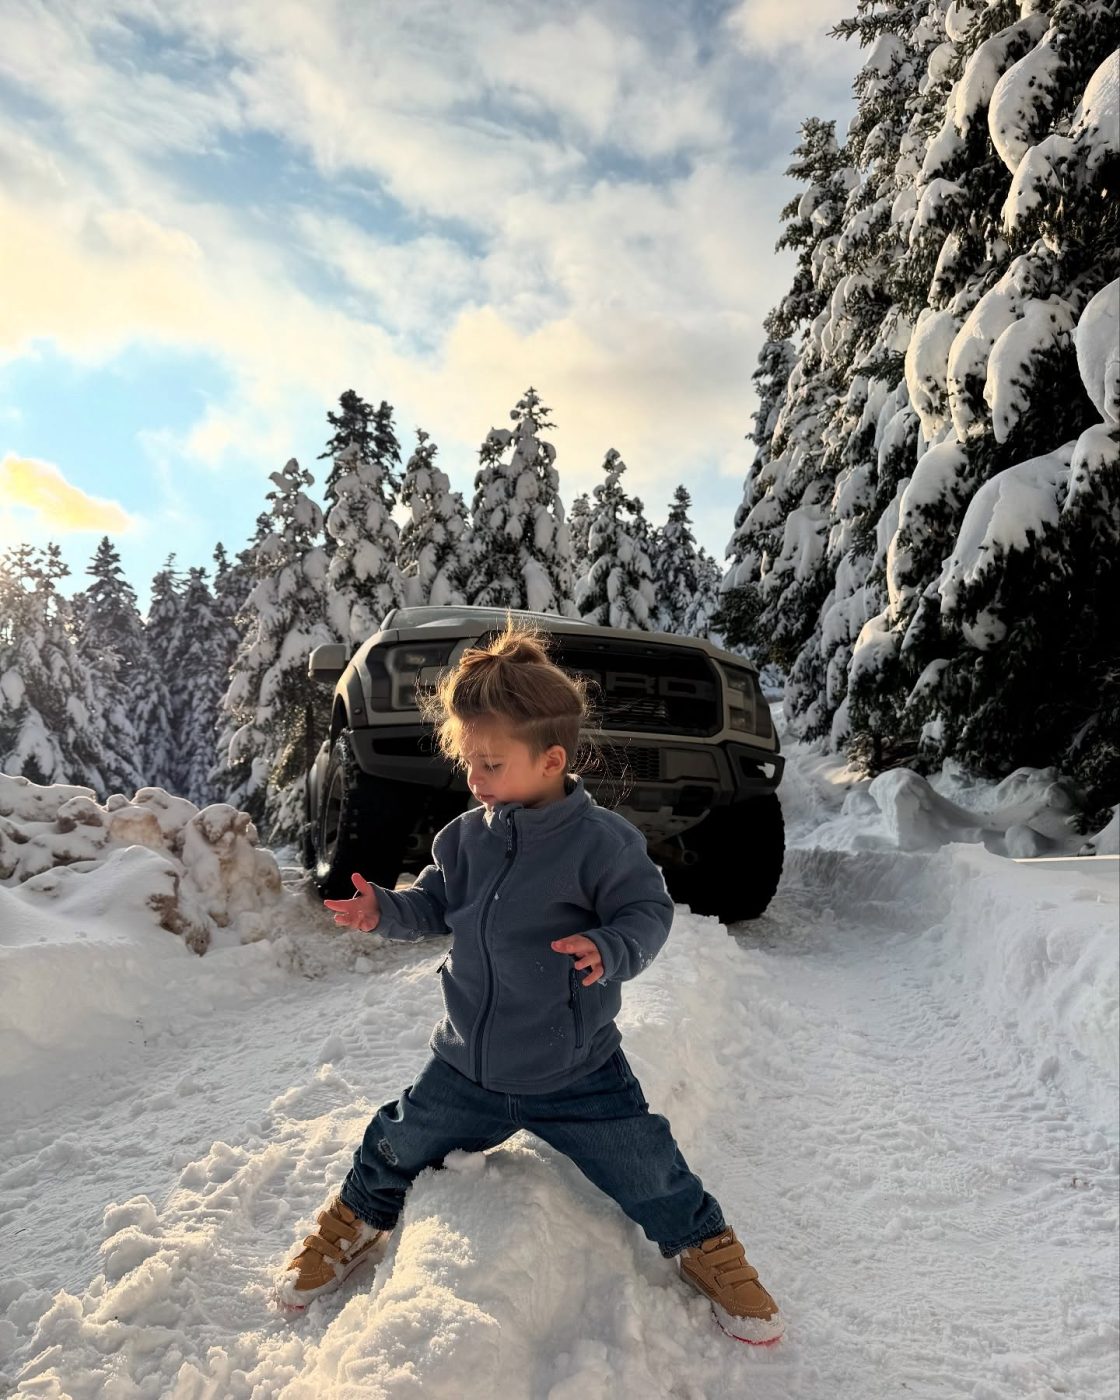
point(362, 912)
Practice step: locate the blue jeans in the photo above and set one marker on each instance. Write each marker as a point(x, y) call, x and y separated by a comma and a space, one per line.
point(602, 1122)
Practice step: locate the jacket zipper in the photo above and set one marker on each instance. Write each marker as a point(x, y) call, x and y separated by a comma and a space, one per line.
point(577, 1006)
point(491, 895)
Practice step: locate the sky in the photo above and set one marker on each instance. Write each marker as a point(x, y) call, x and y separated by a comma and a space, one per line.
point(218, 215)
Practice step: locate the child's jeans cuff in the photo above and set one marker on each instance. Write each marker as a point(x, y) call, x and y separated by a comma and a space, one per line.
point(714, 1224)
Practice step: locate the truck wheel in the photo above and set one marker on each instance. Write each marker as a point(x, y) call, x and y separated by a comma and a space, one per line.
point(360, 828)
point(307, 835)
point(737, 855)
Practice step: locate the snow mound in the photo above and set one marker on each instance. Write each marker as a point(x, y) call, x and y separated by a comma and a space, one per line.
point(510, 1274)
point(207, 879)
point(1029, 813)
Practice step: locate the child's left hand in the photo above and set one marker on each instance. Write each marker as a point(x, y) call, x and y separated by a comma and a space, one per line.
point(586, 955)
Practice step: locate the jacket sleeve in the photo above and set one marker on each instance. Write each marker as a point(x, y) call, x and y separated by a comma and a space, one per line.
point(419, 911)
point(633, 908)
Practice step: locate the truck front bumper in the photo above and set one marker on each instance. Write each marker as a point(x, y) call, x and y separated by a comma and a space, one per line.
point(639, 774)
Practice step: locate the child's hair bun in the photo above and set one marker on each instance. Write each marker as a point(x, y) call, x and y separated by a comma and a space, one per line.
point(521, 647)
point(512, 678)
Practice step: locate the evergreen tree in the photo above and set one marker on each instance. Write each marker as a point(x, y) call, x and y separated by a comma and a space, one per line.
point(270, 696)
point(676, 566)
point(522, 548)
point(233, 583)
point(617, 590)
point(201, 680)
point(371, 435)
point(435, 555)
point(363, 581)
point(49, 725)
point(579, 523)
point(159, 723)
point(701, 616)
point(779, 575)
point(111, 643)
point(937, 382)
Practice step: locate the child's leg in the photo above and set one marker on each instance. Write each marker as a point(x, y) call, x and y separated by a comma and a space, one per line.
point(441, 1111)
point(604, 1125)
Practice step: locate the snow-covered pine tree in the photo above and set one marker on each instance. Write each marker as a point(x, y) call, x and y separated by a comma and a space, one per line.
point(363, 581)
point(232, 585)
point(522, 549)
point(270, 697)
point(49, 725)
point(985, 139)
point(371, 434)
point(111, 643)
point(434, 557)
point(701, 617)
point(675, 566)
point(200, 681)
point(993, 374)
point(740, 600)
point(158, 722)
point(779, 576)
point(617, 590)
point(579, 522)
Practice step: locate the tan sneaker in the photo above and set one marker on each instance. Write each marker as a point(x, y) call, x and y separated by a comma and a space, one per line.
point(340, 1244)
point(743, 1308)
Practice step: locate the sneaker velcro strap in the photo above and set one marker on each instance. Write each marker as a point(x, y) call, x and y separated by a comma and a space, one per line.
point(322, 1246)
point(332, 1226)
point(728, 1254)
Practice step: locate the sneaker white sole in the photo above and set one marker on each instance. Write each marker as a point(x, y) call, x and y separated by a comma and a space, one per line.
point(755, 1331)
point(291, 1300)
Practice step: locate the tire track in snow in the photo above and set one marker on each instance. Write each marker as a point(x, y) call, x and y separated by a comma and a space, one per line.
point(927, 1215)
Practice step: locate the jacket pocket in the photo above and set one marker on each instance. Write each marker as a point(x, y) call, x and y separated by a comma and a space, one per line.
point(577, 1006)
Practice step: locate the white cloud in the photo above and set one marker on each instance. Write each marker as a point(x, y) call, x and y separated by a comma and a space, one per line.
point(37, 499)
point(635, 304)
point(776, 26)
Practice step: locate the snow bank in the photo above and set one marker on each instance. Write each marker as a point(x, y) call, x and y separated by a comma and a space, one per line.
point(511, 1274)
point(910, 1063)
point(208, 880)
point(91, 896)
point(1029, 813)
point(1033, 947)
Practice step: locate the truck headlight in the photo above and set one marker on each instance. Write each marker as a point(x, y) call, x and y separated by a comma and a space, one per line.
point(741, 706)
point(415, 667)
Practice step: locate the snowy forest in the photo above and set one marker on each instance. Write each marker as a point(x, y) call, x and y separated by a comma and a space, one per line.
point(927, 543)
point(208, 695)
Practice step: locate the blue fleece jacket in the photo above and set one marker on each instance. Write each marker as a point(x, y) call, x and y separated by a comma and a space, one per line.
point(506, 883)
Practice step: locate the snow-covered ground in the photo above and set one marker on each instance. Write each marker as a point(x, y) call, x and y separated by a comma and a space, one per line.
point(901, 1083)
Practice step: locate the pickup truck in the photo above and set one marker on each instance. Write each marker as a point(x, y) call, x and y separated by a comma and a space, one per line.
point(681, 743)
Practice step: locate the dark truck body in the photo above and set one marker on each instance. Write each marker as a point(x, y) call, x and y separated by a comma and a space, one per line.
point(681, 734)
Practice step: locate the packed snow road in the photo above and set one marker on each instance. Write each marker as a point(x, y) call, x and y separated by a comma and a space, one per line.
point(901, 1083)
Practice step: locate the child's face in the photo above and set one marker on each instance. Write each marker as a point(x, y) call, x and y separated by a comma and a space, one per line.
point(501, 768)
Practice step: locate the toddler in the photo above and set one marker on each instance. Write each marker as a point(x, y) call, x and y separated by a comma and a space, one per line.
point(552, 902)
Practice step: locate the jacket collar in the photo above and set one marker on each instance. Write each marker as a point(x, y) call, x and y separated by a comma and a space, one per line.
point(535, 822)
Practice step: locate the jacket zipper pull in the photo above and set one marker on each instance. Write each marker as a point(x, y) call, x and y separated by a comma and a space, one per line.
point(509, 837)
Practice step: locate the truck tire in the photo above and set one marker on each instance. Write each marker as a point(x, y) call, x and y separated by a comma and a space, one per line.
point(308, 833)
point(736, 856)
point(361, 826)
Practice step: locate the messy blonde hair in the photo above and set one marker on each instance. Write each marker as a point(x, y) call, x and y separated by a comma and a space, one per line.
point(514, 682)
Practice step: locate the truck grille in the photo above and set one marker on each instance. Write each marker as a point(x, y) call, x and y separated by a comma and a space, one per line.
point(616, 763)
point(645, 686)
